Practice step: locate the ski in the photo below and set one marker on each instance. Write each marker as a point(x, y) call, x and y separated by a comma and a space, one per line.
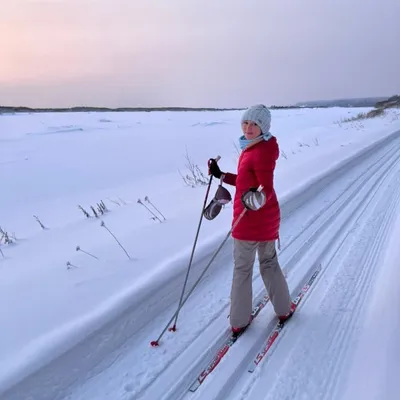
point(225, 347)
point(280, 325)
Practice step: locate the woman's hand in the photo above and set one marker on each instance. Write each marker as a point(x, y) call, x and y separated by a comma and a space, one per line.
point(254, 199)
point(213, 168)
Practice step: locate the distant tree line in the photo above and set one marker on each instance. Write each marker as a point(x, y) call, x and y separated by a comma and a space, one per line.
point(378, 102)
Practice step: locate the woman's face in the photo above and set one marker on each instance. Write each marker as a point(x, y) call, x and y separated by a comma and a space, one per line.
point(251, 130)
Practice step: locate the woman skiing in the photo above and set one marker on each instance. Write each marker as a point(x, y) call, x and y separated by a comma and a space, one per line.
point(258, 229)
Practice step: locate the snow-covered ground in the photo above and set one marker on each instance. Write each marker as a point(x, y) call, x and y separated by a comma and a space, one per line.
point(96, 320)
point(376, 363)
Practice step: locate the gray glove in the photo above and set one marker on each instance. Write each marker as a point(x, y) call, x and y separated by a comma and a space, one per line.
point(254, 199)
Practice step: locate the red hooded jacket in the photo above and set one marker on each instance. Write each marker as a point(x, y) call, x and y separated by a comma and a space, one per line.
point(256, 167)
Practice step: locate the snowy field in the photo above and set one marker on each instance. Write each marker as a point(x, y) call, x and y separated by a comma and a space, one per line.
point(83, 331)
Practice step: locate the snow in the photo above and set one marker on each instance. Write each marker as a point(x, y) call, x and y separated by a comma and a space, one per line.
point(51, 163)
point(376, 363)
point(313, 357)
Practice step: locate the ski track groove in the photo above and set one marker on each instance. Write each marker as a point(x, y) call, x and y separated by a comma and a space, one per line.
point(388, 162)
point(323, 225)
point(343, 199)
point(364, 177)
point(346, 200)
point(370, 260)
point(344, 325)
point(350, 301)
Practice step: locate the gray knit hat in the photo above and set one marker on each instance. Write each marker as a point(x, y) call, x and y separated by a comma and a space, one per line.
point(260, 115)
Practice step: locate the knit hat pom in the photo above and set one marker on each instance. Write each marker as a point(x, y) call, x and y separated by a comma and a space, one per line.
point(260, 115)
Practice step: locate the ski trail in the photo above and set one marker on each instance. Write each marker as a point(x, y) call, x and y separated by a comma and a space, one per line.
point(362, 274)
point(321, 222)
point(344, 221)
point(374, 370)
point(306, 239)
point(312, 359)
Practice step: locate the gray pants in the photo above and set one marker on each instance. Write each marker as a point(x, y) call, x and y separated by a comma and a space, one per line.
point(244, 253)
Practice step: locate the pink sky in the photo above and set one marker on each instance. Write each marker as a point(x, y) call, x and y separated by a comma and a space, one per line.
point(196, 53)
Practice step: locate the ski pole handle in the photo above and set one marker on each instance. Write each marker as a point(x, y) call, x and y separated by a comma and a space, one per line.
point(217, 158)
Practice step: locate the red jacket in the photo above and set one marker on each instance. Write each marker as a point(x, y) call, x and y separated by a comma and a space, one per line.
point(256, 167)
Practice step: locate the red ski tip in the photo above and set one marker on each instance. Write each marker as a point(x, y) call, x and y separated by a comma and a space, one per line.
point(173, 329)
point(154, 343)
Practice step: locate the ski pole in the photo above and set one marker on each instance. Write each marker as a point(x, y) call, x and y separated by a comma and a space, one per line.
point(156, 342)
point(173, 328)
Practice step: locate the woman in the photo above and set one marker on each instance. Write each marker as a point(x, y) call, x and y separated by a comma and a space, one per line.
point(258, 229)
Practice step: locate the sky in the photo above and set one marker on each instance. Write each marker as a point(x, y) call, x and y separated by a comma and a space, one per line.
point(192, 53)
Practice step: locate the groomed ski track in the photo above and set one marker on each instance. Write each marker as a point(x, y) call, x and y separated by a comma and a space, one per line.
point(341, 221)
point(311, 358)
